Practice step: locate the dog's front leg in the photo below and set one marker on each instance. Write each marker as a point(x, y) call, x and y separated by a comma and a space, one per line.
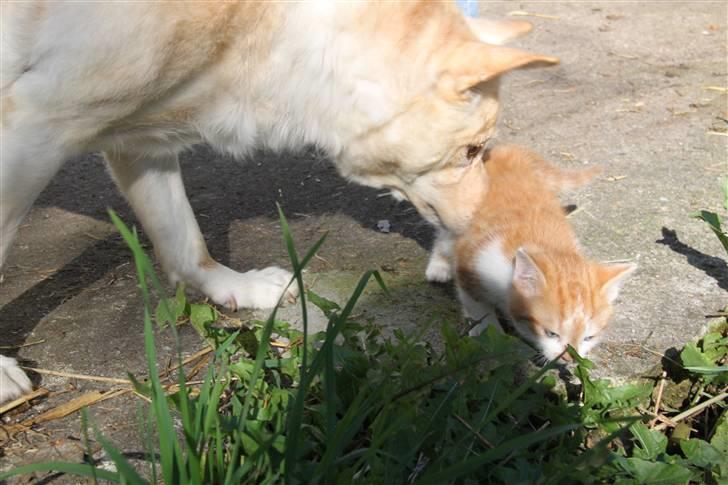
point(155, 191)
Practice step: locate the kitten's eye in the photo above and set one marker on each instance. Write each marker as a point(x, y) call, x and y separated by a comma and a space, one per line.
point(551, 334)
point(473, 150)
point(586, 339)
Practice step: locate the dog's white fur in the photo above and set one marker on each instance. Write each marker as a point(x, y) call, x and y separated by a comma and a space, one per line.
point(392, 92)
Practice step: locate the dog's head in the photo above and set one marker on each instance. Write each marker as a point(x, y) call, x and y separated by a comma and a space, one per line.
point(427, 140)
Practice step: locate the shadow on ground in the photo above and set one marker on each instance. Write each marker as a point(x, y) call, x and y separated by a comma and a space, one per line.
point(712, 266)
point(221, 190)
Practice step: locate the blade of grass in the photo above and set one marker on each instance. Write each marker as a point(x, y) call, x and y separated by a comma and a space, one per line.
point(79, 469)
point(297, 268)
point(148, 444)
point(127, 473)
point(168, 445)
point(268, 330)
point(464, 467)
point(512, 397)
point(87, 442)
point(435, 415)
point(590, 455)
point(366, 402)
point(173, 468)
point(295, 415)
point(329, 382)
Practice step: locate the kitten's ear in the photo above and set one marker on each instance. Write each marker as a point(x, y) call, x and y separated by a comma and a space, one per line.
point(498, 32)
point(528, 278)
point(474, 62)
point(612, 277)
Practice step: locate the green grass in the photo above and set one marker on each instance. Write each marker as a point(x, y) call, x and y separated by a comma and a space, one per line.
point(355, 404)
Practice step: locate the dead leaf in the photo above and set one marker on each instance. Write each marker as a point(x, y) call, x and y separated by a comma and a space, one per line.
point(72, 406)
point(23, 399)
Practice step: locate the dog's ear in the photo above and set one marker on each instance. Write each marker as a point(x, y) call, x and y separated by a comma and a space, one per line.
point(498, 32)
point(473, 62)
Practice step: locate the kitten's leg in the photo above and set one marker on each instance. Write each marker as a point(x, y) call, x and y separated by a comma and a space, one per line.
point(439, 268)
point(30, 154)
point(483, 314)
point(155, 191)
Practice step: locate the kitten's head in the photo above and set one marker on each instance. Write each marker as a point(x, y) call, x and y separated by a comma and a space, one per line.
point(435, 107)
point(556, 300)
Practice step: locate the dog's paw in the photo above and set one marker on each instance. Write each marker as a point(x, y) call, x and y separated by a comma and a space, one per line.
point(439, 270)
point(267, 285)
point(13, 381)
point(253, 289)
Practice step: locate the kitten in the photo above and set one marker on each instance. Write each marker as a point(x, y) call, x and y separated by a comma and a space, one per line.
point(520, 255)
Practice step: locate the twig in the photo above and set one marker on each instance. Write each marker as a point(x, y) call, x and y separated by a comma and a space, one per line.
point(717, 315)
point(196, 368)
point(85, 400)
point(29, 344)
point(115, 380)
point(72, 406)
point(658, 401)
point(480, 437)
point(23, 399)
point(521, 13)
point(189, 359)
point(142, 397)
point(694, 410)
point(83, 377)
point(658, 417)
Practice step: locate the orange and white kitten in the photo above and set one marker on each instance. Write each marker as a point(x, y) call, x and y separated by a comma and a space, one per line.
point(520, 255)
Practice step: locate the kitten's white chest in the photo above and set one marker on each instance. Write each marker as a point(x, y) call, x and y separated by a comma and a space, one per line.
point(495, 272)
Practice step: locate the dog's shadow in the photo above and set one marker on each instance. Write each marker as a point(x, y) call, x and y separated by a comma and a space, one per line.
point(221, 189)
point(712, 266)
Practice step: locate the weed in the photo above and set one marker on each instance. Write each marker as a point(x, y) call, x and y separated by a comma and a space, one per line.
point(355, 404)
point(713, 219)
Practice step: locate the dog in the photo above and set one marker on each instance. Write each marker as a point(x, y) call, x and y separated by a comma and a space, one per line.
point(401, 96)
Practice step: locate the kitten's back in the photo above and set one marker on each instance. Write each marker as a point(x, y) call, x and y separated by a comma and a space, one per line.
point(521, 206)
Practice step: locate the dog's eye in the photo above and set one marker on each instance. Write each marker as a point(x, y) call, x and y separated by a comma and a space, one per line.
point(551, 334)
point(473, 151)
point(586, 339)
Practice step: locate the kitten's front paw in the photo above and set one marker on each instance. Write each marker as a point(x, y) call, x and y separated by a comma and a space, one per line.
point(13, 381)
point(252, 289)
point(439, 270)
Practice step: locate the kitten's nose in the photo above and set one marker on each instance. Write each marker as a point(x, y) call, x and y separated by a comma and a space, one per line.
point(567, 357)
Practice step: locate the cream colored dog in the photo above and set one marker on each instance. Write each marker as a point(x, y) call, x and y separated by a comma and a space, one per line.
point(399, 95)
